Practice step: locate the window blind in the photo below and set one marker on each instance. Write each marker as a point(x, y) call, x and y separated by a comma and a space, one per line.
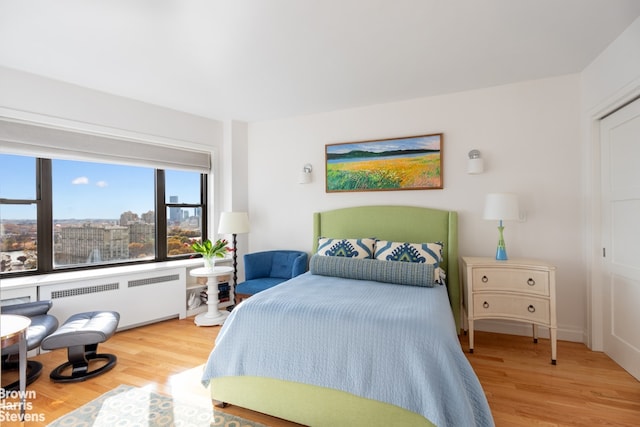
point(50, 142)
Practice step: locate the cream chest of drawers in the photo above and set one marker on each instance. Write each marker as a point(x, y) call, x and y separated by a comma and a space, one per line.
point(519, 289)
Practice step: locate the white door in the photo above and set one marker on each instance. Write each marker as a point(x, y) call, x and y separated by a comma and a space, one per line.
point(620, 139)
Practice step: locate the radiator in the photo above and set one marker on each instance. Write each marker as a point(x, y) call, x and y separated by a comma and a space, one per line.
point(139, 298)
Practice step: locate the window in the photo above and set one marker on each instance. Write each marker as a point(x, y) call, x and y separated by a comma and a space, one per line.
point(18, 213)
point(102, 213)
point(66, 214)
point(183, 211)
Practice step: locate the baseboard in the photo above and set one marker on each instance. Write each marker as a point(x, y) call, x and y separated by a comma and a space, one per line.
point(524, 329)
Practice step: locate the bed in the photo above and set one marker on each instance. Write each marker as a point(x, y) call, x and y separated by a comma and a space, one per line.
point(356, 341)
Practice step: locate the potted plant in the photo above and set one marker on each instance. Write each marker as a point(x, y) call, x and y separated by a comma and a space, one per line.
point(210, 251)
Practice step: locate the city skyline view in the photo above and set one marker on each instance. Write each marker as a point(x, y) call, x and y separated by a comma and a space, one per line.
point(103, 213)
point(87, 190)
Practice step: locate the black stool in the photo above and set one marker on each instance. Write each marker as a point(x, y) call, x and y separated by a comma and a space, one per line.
point(81, 334)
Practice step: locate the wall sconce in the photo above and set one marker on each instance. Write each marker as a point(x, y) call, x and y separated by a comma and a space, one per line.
point(475, 165)
point(305, 175)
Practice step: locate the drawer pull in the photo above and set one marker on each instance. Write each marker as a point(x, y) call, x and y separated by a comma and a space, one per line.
point(531, 309)
point(531, 282)
point(485, 279)
point(485, 304)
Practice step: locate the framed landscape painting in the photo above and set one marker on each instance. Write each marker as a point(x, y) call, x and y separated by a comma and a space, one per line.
point(407, 163)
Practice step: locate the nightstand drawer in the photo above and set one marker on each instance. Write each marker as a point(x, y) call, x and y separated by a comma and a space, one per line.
point(529, 309)
point(511, 279)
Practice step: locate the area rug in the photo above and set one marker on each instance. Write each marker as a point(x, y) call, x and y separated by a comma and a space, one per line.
point(127, 406)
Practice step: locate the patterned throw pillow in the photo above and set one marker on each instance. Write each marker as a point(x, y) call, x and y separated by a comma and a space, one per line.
point(349, 248)
point(427, 253)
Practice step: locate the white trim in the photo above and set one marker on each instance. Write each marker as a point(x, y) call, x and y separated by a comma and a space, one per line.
point(593, 231)
point(524, 329)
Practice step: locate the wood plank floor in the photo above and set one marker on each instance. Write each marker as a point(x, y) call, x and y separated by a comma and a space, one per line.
point(523, 388)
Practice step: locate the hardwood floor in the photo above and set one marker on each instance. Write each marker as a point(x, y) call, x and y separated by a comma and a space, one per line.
point(522, 387)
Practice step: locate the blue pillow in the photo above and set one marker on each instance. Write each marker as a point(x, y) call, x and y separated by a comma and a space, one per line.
point(399, 273)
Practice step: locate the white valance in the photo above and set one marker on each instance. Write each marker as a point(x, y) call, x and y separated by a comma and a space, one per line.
point(51, 142)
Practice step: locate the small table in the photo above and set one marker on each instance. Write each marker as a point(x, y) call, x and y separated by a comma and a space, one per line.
point(516, 289)
point(213, 316)
point(13, 328)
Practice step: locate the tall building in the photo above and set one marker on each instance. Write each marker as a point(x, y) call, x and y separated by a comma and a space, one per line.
point(175, 214)
point(128, 217)
point(92, 244)
point(148, 217)
point(140, 232)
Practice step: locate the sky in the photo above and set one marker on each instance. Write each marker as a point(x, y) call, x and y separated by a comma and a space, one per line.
point(86, 190)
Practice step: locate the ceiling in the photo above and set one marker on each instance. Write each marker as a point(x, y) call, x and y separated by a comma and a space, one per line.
point(256, 60)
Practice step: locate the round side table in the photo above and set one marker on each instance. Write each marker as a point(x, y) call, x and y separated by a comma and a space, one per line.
point(13, 328)
point(213, 316)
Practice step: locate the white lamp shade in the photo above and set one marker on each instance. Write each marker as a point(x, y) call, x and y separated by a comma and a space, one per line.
point(233, 223)
point(475, 166)
point(304, 177)
point(501, 206)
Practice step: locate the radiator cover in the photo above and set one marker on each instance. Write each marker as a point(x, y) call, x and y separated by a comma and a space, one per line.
point(140, 298)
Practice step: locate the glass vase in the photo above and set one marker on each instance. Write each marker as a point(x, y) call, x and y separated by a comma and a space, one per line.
point(209, 262)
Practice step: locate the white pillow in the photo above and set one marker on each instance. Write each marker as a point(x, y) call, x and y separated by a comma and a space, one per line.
point(349, 248)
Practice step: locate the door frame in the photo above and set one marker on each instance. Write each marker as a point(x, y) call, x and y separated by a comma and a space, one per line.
point(594, 334)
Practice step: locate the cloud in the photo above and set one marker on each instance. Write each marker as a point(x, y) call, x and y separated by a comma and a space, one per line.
point(81, 180)
point(102, 184)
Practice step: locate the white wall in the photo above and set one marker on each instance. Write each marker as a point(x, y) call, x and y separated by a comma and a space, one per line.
point(528, 134)
point(61, 102)
point(613, 75)
point(609, 82)
point(231, 190)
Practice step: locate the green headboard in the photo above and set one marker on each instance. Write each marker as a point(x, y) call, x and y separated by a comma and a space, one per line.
point(399, 224)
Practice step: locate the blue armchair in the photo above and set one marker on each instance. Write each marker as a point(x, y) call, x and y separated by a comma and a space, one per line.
point(267, 269)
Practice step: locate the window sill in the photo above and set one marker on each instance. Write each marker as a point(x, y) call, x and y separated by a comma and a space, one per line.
point(55, 278)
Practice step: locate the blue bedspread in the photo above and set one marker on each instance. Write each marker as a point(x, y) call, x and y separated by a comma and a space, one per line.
point(390, 343)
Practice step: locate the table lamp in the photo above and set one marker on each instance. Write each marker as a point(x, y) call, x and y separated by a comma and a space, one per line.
point(501, 207)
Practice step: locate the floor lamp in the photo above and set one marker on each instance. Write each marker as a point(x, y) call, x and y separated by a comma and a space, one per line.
point(234, 223)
